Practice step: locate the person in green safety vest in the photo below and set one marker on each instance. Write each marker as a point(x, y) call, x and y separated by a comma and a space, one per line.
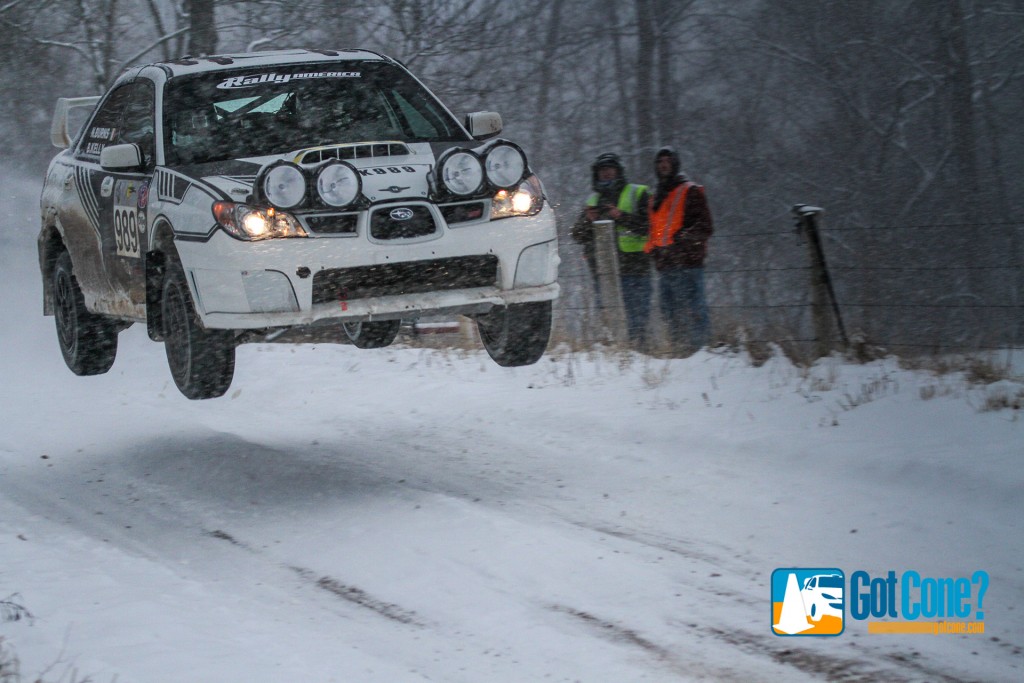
point(625, 203)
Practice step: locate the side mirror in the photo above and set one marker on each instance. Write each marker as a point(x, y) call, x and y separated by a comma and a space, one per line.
point(60, 136)
point(121, 157)
point(483, 124)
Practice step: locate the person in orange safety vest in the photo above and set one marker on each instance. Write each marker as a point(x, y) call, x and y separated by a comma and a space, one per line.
point(680, 227)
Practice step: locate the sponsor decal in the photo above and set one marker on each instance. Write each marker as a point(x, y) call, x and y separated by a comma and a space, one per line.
point(811, 602)
point(278, 79)
point(394, 188)
point(384, 170)
point(107, 186)
point(143, 195)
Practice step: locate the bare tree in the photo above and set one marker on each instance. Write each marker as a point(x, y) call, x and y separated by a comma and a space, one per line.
point(202, 34)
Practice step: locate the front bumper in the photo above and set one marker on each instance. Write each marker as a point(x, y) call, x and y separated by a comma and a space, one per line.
point(303, 281)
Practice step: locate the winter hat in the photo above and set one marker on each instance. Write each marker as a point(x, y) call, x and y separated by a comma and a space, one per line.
point(608, 159)
point(672, 154)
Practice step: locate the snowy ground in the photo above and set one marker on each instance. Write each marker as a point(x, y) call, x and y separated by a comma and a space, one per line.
point(413, 515)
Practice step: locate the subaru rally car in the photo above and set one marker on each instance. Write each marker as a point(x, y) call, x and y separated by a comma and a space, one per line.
point(287, 196)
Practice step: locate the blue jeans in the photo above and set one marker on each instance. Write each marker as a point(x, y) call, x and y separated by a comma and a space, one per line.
point(636, 298)
point(683, 306)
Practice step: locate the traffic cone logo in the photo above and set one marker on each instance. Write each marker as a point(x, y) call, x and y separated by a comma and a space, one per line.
point(808, 601)
point(794, 616)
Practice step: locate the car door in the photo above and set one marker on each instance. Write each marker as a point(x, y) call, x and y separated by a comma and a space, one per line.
point(107, 239)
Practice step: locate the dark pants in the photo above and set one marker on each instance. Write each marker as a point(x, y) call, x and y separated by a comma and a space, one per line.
point(684, 308)
point(636, 298)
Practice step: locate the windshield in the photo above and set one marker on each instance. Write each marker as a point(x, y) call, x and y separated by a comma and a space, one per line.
point(276, 109)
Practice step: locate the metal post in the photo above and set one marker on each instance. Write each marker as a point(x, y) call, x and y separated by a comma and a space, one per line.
point(822, 292)
point(606, 250)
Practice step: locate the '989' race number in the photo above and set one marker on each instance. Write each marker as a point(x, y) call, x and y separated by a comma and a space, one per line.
point(126, 230)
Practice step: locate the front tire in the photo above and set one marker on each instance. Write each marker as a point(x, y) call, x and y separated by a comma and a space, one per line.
point(202, 362)
point(516, 335)
point(372, 335)
point(87, 341)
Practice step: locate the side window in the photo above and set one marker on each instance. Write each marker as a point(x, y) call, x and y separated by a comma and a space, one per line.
point(126, 116)
point(103, 129)
point(137, 121)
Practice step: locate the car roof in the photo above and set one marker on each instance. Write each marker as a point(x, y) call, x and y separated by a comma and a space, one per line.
point(191, 65)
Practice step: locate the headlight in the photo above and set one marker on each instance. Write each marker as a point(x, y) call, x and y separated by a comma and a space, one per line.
point(505, 165)
point(525, 200)
point(284, 185)
point(462, 173)
point(250, 223)
point(338, 184)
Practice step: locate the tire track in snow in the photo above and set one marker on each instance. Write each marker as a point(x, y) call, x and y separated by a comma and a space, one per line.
point(358, 596)
point(351, 594)
point(834, 668)
point(615, 632)
point(676, 546)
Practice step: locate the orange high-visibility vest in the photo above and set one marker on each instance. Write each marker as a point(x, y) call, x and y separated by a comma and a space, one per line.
point(668, 219)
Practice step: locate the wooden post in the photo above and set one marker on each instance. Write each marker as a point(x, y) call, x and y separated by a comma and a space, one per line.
point(822, 292)
point(606, 250)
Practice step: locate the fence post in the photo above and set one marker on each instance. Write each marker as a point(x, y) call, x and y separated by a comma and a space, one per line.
point(606, 250)
point(822, 293)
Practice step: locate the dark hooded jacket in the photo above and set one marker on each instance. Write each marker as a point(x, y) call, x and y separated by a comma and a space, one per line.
point(689, 245)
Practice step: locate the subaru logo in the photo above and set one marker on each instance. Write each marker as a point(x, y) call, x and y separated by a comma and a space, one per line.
point(401, 214)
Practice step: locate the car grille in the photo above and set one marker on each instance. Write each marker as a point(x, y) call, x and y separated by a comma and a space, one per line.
point(413, 277)
point(401, 222)
point(461, 213)
point(337, 224)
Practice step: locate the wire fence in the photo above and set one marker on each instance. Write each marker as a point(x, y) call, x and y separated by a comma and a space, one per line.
point(918, 288)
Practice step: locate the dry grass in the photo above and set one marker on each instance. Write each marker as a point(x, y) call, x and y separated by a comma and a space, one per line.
point(1003, 395)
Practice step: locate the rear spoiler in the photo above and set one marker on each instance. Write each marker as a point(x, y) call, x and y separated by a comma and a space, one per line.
point(60, 136)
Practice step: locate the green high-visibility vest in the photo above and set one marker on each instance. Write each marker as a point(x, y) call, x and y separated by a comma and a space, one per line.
point(628, 243)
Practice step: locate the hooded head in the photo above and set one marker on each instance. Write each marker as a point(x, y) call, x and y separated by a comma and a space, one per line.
point(673, 157)
point(607, 185)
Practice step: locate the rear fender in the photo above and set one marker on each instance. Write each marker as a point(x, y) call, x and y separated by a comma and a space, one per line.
point(50, 245)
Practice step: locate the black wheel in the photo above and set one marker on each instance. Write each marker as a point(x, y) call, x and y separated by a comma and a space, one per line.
point(517, 334)
point(87, 341)
point(375, 335)
point(202, 361)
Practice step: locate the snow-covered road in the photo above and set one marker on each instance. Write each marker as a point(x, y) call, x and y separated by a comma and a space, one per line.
point(407, 515)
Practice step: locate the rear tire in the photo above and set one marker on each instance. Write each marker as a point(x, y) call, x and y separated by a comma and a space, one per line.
point(202, 362)
point(87, 341)
point(516, 335)
point(372, 335)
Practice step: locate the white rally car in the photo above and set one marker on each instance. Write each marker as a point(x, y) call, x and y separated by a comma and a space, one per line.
point(287, 196)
